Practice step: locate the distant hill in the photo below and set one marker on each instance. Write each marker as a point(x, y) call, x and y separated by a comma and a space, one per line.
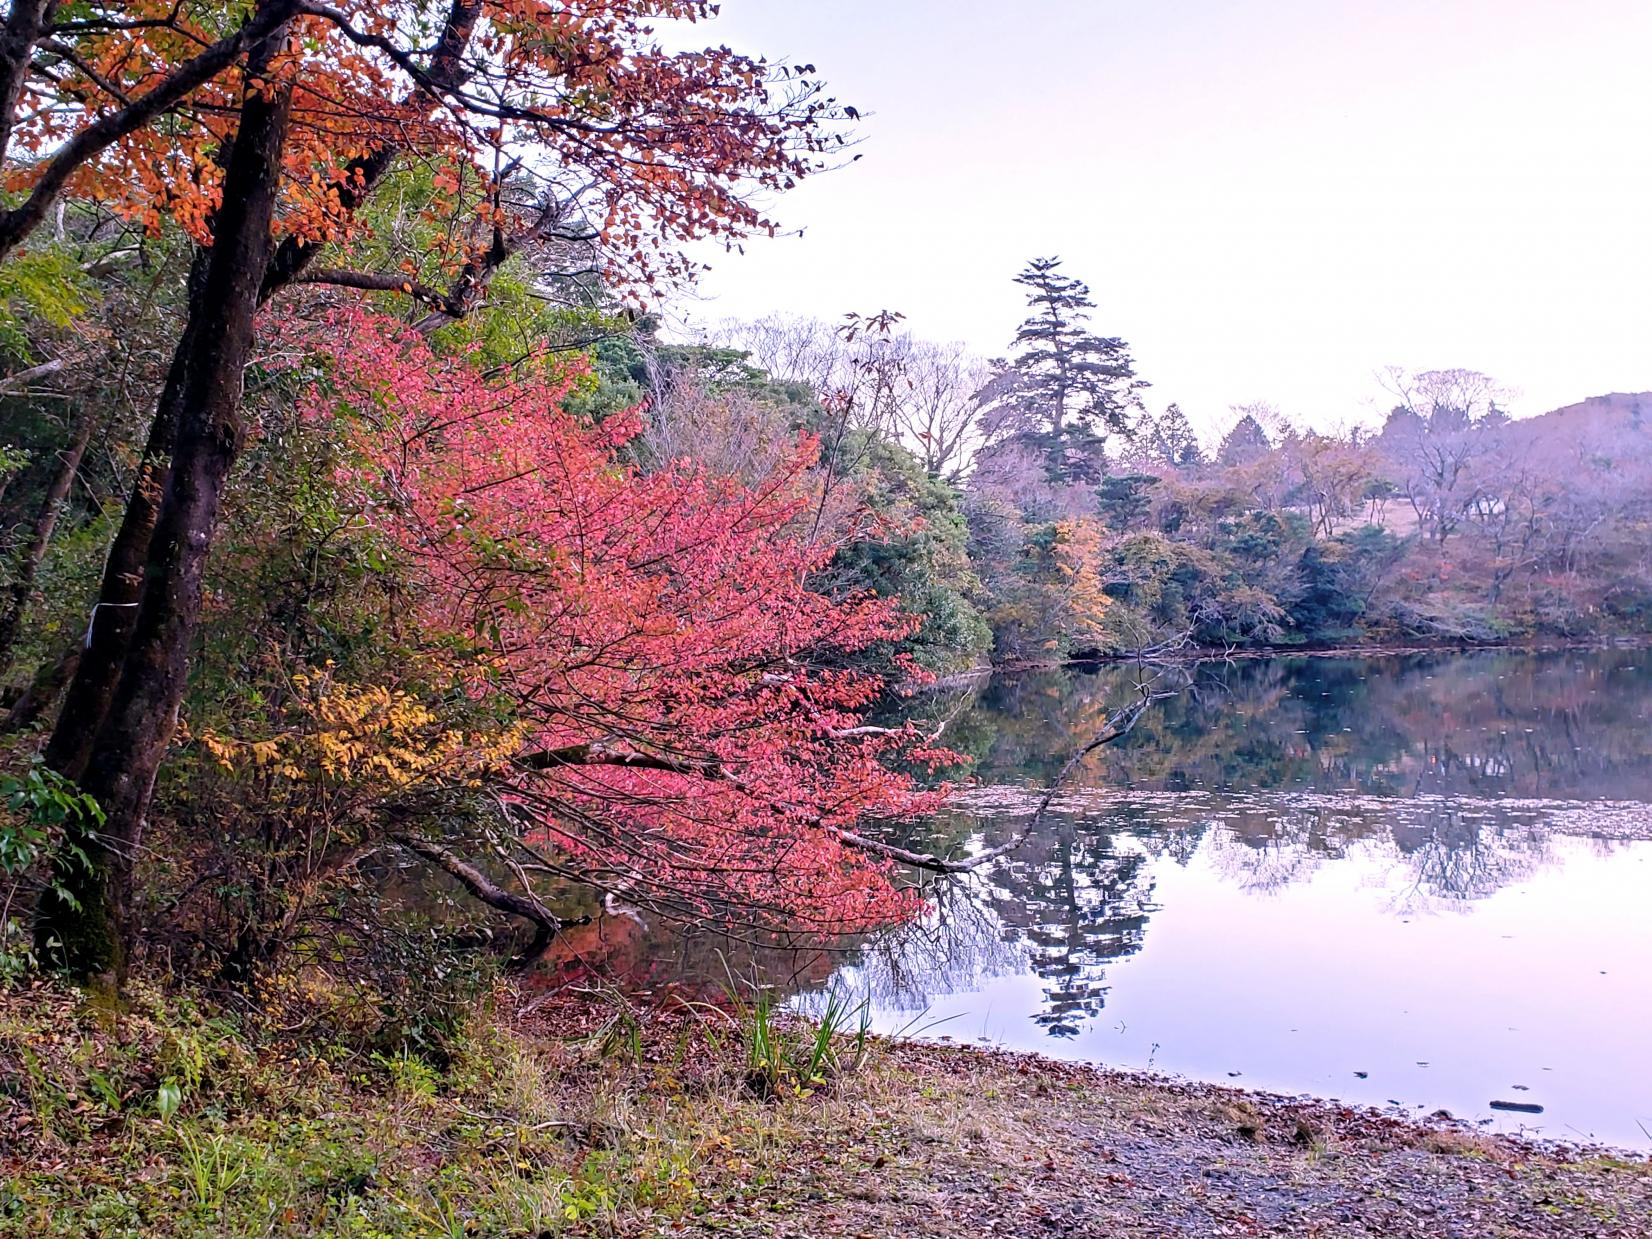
point(1622, 419)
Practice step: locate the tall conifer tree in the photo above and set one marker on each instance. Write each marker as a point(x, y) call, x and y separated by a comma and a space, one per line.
point(1072, 387)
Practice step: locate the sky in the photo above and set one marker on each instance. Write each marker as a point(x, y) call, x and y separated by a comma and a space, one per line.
point(1271, 200)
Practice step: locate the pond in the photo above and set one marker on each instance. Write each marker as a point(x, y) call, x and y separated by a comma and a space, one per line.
point(1414, 881)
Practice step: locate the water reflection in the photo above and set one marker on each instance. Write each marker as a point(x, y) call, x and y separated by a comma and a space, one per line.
point(1490, 724)
point(1344, 802)
point(1080, 894)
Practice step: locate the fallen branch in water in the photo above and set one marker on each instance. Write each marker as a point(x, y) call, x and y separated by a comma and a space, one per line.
point(1117, 726)
point(546, 923)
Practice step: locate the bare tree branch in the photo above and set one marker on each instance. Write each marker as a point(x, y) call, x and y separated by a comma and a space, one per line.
point(371, 281)
point(1118, 725)
point(546, 923)
point(20, 381)
point(602, 755)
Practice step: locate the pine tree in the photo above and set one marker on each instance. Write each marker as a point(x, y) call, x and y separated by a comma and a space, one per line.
point(1072, 388)
point(1245, 442)
point(1173, 442)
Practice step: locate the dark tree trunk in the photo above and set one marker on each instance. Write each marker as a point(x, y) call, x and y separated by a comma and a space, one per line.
point(115, 613)
point(17, 599)
point(48, 682)
point(91, 937)
point(91, 942)
point(25, 26)
point(114, 616)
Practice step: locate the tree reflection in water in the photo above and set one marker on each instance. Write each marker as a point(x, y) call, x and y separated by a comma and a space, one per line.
point(1442, 777)
point(1435, 781)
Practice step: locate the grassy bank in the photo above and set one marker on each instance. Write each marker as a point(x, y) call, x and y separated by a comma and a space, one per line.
point(580, 1115)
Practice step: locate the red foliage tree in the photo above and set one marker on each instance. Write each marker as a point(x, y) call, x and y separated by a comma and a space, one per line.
point(693, 737)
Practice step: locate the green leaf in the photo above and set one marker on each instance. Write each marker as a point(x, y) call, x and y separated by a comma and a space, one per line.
point(167, 1099)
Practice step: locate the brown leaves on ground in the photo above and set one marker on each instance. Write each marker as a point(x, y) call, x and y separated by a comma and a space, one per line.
point(977, 1143)
point(578, 1113)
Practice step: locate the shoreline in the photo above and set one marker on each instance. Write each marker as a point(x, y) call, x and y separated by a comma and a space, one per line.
point(1211, 653)
point(1432, 1124)
point(1213, 1159)
point(1204, 653)
point(579, 1113)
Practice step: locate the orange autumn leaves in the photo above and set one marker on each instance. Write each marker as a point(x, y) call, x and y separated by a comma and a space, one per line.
point(660, 146)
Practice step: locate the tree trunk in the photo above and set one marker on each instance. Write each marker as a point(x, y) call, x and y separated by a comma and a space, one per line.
point(114, 616)
point(48, 682)
point(17, 601)
point(25, 26)
point(92, 936)
point(115, 613)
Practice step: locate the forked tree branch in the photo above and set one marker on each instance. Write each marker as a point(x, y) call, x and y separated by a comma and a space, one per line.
point(142, 110)
point(363, 173)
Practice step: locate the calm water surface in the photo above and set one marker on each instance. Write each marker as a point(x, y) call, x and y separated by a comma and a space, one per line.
point(1423, 882)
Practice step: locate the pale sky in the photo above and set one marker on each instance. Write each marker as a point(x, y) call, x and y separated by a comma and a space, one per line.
point(1270, 199)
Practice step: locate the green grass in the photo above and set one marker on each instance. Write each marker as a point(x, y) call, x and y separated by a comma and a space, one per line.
point(163, 1120)
point(788, 1054)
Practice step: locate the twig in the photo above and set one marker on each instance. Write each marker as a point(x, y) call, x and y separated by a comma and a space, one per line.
point(1117, 726)
point(547, 924)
